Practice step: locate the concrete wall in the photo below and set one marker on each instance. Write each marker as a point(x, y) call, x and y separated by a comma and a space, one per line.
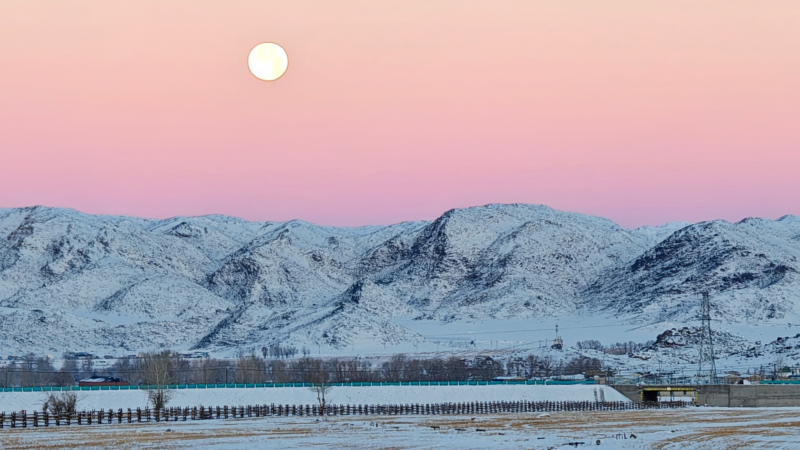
point(735, 395)
point(631, 391)
point(765, 395)
point(714, 395)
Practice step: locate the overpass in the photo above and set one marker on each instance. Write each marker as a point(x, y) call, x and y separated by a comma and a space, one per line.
point(731, 395)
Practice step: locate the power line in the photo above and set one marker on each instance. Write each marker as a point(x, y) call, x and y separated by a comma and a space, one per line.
point(472, 333)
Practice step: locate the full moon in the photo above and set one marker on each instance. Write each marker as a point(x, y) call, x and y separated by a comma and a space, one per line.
point(268, 61)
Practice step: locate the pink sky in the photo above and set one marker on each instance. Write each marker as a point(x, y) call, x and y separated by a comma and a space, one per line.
point(639, 111)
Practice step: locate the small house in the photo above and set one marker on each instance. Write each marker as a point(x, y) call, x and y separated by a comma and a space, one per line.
point(509, 379)
point(102, 381)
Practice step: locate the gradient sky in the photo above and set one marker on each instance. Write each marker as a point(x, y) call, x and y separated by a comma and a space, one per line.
point(640, 111)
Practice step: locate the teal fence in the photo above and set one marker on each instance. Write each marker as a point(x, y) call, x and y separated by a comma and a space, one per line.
point(280, 385)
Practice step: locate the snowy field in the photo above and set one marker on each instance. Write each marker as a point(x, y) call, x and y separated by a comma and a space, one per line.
point(695, 428)
point(87, 400)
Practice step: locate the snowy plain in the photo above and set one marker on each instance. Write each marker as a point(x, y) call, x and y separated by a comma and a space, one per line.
point(687, 428)
point(352, 395)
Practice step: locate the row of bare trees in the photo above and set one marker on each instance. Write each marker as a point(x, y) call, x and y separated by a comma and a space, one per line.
point(169, 368)
point(34, 370)
point(619, 348)
point(281, 351)
point(400, 368)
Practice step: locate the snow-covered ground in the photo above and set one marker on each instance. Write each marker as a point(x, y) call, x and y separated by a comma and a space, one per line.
point(30, 401)
point(691, 428)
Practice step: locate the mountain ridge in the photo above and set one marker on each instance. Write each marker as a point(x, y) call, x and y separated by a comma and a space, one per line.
point(222, 283)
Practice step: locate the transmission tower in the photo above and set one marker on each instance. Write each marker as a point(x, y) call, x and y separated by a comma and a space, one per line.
point(706, 367)
point(558, 343)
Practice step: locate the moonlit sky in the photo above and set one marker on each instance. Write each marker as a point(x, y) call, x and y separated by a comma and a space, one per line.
point(640, 111)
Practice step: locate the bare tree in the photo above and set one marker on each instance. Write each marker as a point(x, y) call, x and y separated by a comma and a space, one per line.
point(250, 369)
point(210, 370)
point(546, 365)
point(777, 366)
point(322, 390)
point(87, 368)
point(394, 368)
point(66, 374)
point(317, 374)
point(60, 403)
point(279, 371)
point(5, 372)
point(530, 364)
point(157, 372)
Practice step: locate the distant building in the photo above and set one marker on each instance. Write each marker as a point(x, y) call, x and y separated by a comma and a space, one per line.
point(78, 355)
point(732, 378)
point(509, 379)
point(600, 376)
point(103, 381)
point(754, 379)
point(576, 377)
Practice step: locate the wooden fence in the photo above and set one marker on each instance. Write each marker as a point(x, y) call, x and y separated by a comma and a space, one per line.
point(23, 419)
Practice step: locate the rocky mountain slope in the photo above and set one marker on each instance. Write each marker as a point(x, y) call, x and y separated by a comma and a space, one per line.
point(751, 267)
point(72, 281)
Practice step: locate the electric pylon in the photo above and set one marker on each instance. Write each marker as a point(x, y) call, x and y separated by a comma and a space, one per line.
point(558, 343)
point(706, 365)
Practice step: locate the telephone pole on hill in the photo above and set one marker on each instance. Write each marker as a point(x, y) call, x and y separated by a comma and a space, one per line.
point(706, 365)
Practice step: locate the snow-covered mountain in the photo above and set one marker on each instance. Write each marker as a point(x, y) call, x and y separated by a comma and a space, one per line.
point(751, 268)
point(71, 281)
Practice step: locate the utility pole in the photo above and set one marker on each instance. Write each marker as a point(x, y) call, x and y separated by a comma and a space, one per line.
point(706, 365)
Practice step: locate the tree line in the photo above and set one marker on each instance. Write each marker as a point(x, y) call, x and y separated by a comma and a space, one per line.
point(166, 367)
point(619, 348)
